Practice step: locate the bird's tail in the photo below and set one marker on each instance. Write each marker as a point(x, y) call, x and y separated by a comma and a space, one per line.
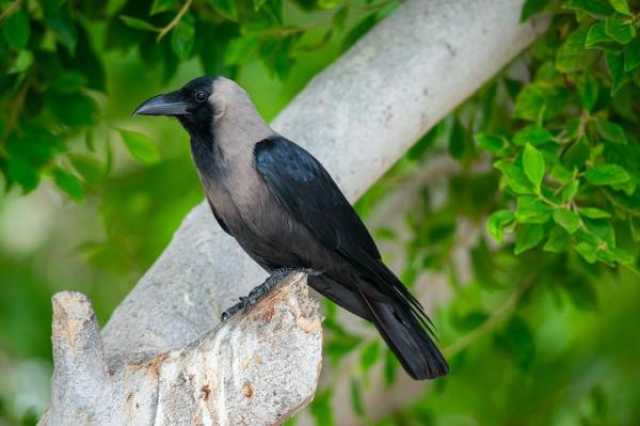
point(408, 339)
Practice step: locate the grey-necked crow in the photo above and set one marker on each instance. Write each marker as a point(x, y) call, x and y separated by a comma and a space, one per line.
point(286, 212)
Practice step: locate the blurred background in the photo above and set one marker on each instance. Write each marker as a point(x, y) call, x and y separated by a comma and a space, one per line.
point(520, 209)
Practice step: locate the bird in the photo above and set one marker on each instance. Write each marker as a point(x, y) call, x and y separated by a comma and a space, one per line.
point(287, 213)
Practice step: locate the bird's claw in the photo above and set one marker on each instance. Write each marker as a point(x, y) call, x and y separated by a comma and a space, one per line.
point(259, 292)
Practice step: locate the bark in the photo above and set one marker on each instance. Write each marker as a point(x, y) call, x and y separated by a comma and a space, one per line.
point(258, 368)
point(358, 117)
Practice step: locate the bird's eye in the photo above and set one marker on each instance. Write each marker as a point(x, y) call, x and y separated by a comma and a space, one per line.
point(201, 96)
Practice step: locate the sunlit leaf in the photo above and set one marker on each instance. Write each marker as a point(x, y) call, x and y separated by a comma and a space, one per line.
point(533, 163)
point(566, 218)
point(620, 29)
point(607, 174)
point(497, 222)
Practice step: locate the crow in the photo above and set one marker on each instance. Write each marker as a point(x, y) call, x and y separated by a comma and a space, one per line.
point(287, 213)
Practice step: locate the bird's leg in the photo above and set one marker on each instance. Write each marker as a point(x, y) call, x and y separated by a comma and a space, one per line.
point(262, 290)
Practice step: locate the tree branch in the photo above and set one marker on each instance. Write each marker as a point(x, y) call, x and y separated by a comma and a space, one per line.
point(256, 369)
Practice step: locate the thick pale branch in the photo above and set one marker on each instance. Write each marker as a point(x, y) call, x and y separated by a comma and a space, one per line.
point(256, 369)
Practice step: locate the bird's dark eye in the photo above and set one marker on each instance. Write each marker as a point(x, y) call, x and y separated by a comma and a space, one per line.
point(201, 96)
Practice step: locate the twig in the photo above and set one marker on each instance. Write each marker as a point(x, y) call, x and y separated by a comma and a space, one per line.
point(490, 324)
point(175, 20)
point(10, 10)
point(15, 108)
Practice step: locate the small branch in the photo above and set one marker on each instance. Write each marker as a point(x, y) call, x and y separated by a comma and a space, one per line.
point(10, 10)
point(175, 20)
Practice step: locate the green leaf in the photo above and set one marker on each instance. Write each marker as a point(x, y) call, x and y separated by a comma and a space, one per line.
point(569, 191)
point(532, 210)
point(72, 110)
point(597, 35)
point(497, 222)
point(533, 134)
point(532, 7)
point(593, 7)
point(514, 177)
point(632, 55)
point(340, 17)
point(390, 368)
point(69, 82)
point(22, 172)
point(620, 29)
point(539, 101)
point(57, 17)
point(572, 55)
point(356, 398)
point(226, 8)
point(528, 236)
point(621, 6)
point(22, 63)
point(588, 90)
point(69, 184)
point(369, 355)
point(491, 143)
point(91, 170)
point(321, 408)
point(139, 24)
point(611, 131)
point(558, 241)
point(359, 30)
point(517, 339)
point(615, 62)
point(588, 251)
point(607, 174)
point(329, 4)
point(183, 37)
point(568, 219)
point(533, 163)
point(160, 6)
point(140, 146)
point(457, 140)
point(16, 30)
point(241, 50)
point(594, 213)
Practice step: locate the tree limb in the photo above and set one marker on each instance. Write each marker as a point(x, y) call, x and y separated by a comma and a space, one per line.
point(256, 369)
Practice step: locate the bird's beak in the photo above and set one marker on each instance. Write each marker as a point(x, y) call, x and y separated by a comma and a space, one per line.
point(169, 104)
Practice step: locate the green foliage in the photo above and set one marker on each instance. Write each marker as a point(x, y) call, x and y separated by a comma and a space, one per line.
point(542, 323)
point(581, 100)
point(53, 62)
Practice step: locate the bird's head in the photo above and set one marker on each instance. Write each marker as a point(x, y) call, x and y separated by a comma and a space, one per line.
point(202, 105)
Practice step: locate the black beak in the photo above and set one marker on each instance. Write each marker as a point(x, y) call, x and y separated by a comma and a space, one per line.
point(168, 104)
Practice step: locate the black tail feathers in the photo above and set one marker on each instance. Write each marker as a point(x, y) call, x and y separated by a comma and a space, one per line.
point(408, 339)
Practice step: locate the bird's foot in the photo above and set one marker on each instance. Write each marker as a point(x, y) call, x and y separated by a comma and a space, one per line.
point(259, 292)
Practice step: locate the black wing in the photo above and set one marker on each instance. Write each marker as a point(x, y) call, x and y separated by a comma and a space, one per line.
point(303, 187)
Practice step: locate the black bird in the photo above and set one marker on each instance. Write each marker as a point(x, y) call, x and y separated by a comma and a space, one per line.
point(286, 212)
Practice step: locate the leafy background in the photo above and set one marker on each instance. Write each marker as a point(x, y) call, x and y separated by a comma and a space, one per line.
point(541, 328)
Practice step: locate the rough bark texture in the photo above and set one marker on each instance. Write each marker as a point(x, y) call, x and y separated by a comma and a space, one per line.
point(256, 369)
point(358, 117)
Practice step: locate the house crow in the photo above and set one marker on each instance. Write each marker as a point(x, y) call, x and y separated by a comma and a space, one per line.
point(286, 212)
